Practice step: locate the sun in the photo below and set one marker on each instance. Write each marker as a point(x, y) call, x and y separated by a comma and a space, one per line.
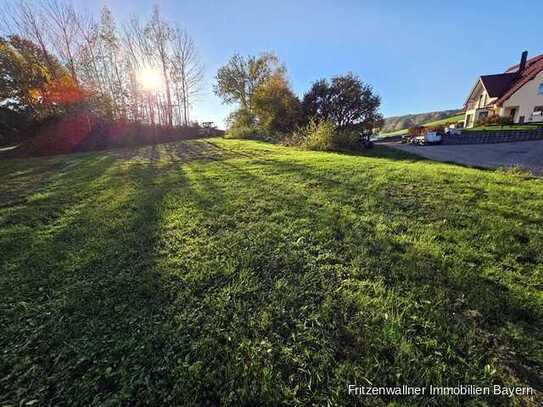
point(150, 79)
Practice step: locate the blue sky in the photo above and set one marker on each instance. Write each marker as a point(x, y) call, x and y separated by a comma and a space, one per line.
point(418, 55)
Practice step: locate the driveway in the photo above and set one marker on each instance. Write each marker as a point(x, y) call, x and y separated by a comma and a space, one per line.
point(525, 154)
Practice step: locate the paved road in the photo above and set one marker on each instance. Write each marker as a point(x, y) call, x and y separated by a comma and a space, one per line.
point(526, 154)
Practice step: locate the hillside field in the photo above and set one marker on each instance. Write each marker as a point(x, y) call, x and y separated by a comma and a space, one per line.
point(441, 122)
point(224, 272)
point(397, 123)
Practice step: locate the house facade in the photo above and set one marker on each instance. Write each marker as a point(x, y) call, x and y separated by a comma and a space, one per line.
point(516, 94)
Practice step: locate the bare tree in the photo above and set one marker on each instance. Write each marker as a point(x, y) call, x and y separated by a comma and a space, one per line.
point(87, 57)
point(65, 33)
point(130, 41)
point(159, 35)
point(23, 18)
point(112, 64)
point(140, 57)
point(187, 72)
point(112, 61)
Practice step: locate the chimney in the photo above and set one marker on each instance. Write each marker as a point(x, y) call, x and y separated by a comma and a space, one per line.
point(523, 59)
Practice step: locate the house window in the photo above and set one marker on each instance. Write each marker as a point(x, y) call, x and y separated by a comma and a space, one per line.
point(541, 89)
point(481, 101)
point(537, 115)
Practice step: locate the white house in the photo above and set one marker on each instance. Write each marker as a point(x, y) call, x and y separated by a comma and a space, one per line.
point(517, 93)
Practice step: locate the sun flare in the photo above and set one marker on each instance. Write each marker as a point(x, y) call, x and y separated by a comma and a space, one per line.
point(150, 79)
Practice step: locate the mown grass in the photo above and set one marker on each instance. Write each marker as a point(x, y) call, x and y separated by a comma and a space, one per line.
point(238, 272)
point(392, 133)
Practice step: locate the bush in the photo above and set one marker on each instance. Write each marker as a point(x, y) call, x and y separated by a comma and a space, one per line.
point(495, 120)
point(242, 132)
point(14, 126)
point(314, 136)
point(241, 118)
point(322, 136)
point(319, 136)
point(296, 138)
point(242, 124)
point(346, 139)
point(250, 133)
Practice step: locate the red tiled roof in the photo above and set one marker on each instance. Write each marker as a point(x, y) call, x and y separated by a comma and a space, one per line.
point(533, 67)
point(497, 85)
point(529, 62)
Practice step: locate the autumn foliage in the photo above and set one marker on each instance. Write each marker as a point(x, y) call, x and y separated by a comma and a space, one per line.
point(63, 92)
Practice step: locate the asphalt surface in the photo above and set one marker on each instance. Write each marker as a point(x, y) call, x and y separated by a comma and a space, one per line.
point(525, 154)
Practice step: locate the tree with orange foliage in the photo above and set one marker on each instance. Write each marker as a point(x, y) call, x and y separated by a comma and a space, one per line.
point(63, 92)
point(27, 76)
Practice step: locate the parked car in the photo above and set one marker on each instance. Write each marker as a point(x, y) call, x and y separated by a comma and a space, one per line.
point(453, 131)
point(431, 137)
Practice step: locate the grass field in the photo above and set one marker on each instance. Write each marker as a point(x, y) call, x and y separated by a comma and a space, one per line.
point(237, 272)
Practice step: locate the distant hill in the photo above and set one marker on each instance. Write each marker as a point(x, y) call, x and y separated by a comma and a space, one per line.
point(396, 123)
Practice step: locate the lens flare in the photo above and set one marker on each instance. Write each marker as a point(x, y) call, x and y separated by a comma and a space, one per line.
point(150, 79)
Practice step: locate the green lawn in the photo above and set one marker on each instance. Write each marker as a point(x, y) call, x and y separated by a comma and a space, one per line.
point(447, 120)
point(393, 133)
point(238, 272)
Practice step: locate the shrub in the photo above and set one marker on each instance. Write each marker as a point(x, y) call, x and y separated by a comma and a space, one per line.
point(14, 126)
point(495, 120)
point(314, 136)
point(346, 139)
point(243, 125)
point(250, 133)
point(295, 138)
point(319, 136)
point(241, 118)
point(322, 136)
point(242, 132)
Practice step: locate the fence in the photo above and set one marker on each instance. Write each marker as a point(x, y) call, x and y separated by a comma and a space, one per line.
point(495, 136)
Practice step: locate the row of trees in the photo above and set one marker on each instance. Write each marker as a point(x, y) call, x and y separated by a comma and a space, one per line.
point(267, 104)
point(54, 57)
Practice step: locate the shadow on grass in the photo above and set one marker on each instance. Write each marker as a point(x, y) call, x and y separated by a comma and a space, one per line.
point(380, 151)
point(88, 314)
point(181, 152)
point(170, 281)
point(482, 305)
